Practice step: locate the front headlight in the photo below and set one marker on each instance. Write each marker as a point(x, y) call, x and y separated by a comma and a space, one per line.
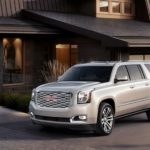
point(33, 95)
point(84, 97)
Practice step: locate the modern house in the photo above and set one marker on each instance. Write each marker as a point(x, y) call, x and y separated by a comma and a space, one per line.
point(35, 31)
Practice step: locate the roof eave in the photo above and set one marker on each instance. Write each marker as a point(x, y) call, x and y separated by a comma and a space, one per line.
point(108, 40)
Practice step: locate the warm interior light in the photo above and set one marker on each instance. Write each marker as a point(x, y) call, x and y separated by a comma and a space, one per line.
point(62, 46)
point(18, 53)
point(5, 42)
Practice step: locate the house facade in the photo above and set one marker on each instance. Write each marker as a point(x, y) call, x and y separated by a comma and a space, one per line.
point(35, 31)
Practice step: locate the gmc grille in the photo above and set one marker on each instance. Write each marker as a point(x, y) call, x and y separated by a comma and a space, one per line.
point(53, 99)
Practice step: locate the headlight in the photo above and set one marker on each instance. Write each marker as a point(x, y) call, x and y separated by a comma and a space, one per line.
point(84, 97)
point(33, 95)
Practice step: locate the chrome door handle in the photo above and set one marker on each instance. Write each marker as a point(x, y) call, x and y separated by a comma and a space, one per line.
point(132, 87)
point(147, 84)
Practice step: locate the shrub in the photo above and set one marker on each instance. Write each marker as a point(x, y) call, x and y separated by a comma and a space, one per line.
point(52, 70)
point(15, 101)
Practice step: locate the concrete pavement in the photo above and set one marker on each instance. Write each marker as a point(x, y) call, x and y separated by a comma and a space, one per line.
point(18, 133)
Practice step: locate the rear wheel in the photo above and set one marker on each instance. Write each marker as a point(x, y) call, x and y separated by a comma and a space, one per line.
point(148, 115)
point(105, 120)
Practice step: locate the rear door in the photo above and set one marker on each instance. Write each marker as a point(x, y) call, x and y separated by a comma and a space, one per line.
point(133, 95)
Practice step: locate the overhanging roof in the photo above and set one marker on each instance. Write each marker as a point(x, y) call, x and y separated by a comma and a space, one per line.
point(116, 32)
point(23, 26)
point(137, 41)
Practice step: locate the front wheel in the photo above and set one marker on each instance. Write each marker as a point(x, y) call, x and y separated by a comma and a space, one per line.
point(105, 120)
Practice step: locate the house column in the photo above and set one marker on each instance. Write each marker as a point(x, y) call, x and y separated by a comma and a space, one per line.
point(1, 66)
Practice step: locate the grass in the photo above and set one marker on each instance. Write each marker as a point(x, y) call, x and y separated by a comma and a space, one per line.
point(15, 101)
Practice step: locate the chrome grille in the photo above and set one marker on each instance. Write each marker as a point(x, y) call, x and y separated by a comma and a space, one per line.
point(53, 99)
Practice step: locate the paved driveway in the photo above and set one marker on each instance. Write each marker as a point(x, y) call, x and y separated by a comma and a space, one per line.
point(18, 133)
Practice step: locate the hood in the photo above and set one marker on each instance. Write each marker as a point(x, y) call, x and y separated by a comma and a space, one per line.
point(66, 86)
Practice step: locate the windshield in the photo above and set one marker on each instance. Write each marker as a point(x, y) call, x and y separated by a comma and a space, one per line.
point(88, 73)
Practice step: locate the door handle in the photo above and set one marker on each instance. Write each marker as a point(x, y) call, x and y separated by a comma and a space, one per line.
point(147, 84)
point(132, 87)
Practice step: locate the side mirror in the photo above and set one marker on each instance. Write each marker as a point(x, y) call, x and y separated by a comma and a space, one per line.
point(122, 79)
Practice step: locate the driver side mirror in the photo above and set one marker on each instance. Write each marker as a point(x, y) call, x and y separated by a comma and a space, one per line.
point(121, 79)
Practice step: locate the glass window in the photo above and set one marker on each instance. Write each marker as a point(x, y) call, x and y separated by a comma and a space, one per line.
point(88, 73)
point(67, 54)
point(128, 8)
point(104, 5)
point(147, 57)
point(122, 73)
point(13, 67)
point(148, 67)
point(136, 57)
point(116, 7)
point(135, 72)
point(139, 57)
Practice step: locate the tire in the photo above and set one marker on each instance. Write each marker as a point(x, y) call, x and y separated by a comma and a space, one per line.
point(148, 115)
point(105, 119)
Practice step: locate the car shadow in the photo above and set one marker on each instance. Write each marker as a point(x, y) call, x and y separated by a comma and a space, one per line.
point(25, 130)
point(141, 118)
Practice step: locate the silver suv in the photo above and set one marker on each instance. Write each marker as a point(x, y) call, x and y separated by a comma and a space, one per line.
point(93, 95)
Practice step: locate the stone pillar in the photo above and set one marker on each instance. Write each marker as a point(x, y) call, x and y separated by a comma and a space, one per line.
point(1, 66)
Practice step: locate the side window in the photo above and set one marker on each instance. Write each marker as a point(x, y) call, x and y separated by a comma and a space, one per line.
point(148, 67)
point(122, 73)
point(135, 72)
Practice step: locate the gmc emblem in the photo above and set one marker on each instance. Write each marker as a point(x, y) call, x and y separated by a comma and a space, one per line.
point(50, 98)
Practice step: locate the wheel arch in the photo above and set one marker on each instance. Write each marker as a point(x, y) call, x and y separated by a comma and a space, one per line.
point(109, 101)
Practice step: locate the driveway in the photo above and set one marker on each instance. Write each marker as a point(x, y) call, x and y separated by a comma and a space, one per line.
point(18, 133)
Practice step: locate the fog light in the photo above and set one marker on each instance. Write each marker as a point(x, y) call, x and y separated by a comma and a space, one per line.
point(82, 117)
point(31, 115)
point(79, 118)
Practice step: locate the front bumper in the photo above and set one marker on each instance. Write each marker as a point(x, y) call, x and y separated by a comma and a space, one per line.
point(78, 115)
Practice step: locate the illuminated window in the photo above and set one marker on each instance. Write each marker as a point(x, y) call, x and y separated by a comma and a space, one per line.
point(67, 54)
point(13, 66)
point(104, 6)
point(115, 9)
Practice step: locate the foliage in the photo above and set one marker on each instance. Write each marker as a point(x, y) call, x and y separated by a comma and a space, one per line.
point(15, 101)
point(52, 70)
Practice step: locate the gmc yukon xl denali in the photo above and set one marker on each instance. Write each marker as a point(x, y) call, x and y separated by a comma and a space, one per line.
point(93, 95)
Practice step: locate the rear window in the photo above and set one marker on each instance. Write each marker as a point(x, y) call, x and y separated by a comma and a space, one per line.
point(135, 72)
point(148, 67)
point(88, 73)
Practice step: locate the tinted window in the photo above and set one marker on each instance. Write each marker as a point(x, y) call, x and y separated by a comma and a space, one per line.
point(88, 73)
point(148, 67)
point(135, 72)
point(122, 73)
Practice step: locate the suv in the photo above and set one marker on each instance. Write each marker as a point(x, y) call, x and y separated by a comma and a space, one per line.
point(93, 95)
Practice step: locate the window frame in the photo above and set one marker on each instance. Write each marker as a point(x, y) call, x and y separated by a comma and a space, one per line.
point(111, 14)
point(143, 77)
point(128, 75)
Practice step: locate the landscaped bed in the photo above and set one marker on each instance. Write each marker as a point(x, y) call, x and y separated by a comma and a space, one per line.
point(15, 101)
